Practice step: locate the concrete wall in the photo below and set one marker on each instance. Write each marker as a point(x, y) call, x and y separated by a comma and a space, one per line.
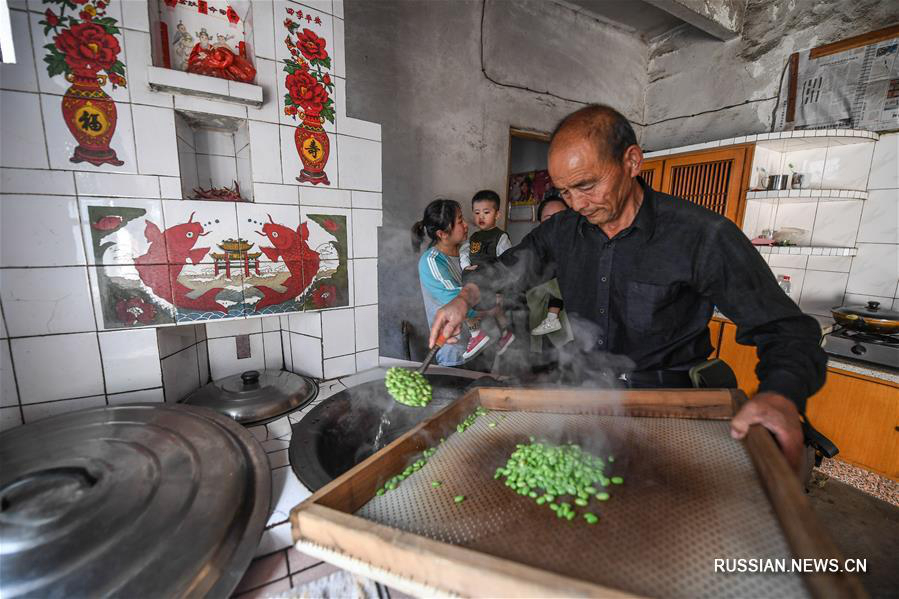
point(690, 72)
point(415, 67)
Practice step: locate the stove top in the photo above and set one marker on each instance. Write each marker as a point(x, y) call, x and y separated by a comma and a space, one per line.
point(871, 347)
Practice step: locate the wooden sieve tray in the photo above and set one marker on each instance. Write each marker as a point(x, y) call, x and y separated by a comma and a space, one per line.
point(691, 495)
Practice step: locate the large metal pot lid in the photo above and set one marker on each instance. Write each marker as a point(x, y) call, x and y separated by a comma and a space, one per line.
point(140, 500)
point(870, 311)
point(256, 396)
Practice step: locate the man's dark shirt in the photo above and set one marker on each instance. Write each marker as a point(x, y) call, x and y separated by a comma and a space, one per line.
point(651, 290)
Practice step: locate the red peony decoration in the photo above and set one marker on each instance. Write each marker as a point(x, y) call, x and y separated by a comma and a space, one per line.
point(88, 48)
point(308, 96)
point(312, 46)
point(306, 92)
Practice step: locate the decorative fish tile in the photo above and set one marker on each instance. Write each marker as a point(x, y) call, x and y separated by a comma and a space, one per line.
point(116, 231)
point(123, 299)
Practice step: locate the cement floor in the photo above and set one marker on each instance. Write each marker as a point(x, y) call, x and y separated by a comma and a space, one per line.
point(862, 526)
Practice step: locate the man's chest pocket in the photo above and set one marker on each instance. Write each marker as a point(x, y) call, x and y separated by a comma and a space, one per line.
point(650, 307)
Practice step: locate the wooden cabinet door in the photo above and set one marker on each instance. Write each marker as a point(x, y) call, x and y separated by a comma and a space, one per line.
point(711, 178)
point(741, 358)
point(715, 327)
point(651, 171)
point(861, 416)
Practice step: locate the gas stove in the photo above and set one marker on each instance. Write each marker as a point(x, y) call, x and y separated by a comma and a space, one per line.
point(876, 348)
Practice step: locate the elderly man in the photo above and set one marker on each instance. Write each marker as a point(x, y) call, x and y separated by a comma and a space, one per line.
point(647, 269)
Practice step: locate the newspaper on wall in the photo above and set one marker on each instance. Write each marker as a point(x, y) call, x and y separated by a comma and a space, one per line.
point(857, 88)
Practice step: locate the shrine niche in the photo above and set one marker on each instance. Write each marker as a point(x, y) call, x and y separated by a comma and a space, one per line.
point(214, 157)
point(203, 37)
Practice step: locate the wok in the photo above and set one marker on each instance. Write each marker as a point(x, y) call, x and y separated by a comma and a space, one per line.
point(870, 318)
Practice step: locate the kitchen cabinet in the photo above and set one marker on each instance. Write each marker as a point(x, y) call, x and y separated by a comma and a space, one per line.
point(715, 327)
point(859, 414)
point(716, 178)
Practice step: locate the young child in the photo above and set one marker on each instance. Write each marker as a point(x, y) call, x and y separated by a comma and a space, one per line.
point(488, 243)
point(551, 204)
point(439, 271)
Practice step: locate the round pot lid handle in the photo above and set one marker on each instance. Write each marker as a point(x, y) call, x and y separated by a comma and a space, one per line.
point(250, 377)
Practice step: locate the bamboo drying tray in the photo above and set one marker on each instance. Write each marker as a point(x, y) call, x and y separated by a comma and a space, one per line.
point(691, 494)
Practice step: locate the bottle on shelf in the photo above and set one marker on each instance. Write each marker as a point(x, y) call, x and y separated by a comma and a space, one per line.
point(784, 282)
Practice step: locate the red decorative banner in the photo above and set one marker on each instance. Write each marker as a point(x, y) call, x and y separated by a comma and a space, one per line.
point(308, 96)
point(85, 51)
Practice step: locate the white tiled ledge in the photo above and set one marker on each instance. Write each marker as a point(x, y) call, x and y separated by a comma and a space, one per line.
point(800, 194)
point(785, 140)
point(213, 88)
point(806, 250)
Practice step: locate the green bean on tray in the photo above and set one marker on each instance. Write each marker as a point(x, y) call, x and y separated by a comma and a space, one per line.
point(558, 476)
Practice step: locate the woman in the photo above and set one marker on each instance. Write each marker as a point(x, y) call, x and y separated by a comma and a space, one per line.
point(439, 271)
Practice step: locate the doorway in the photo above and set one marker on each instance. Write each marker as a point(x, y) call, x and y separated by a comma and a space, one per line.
point(527, 181)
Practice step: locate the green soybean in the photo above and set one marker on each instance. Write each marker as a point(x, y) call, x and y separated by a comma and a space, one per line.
point(617, 480)
point(459, 498)
point(436, 483)
point(545, 472)
point(408, 387)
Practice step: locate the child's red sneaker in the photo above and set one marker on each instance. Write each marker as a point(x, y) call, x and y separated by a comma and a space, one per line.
point(504, 342)
point(476, 344)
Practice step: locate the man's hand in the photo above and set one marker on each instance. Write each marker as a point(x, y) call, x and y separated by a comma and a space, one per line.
point(448, 321)
point(780, 416)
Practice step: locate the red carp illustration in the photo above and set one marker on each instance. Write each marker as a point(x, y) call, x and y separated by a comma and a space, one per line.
point(302, 262)
point(159, 269)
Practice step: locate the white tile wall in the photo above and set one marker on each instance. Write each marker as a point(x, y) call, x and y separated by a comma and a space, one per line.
point(365, 233)
point(223, 359)
point(880, 217)
point(307, 323)
point(9, 396)
point(32, 181)
point(366, 327)
point(822, 291)
point(265, 157)
point(22, 76)
point(54, 239)
point(875, 270)
point(54, 408)
point(306, 355)
point(338, 333)
point(130, 360)
point(171, 340)
point(365, 271)
point(323, 196)
point(154, 137)
point(341, 366)
point(227, 328)
point(43, 301)
point(20, 114)
point(138, 45)
point(57, 367)
point(274, 358)
point(884, 169)
point(836, 223)
point(146, 364)
point(145, 395)
point(366, 359)
point(360, 163)
point(114, 185)
point(180, 374)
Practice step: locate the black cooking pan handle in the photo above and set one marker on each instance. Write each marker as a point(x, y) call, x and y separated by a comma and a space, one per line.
point(824, 447)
